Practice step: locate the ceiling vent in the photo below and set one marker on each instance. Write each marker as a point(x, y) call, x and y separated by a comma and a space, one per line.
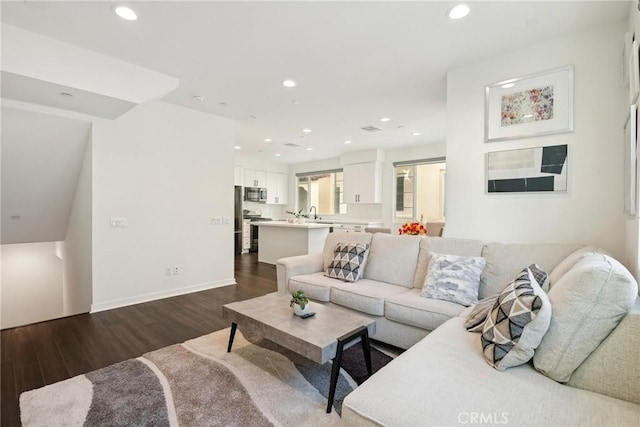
point(291, 144)
point(371, 129)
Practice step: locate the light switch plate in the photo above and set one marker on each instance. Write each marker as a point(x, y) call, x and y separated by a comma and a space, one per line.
point(118, 222)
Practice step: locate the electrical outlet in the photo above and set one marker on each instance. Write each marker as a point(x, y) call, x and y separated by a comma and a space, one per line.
point(118, 222)
point(216, 220)
point(167, 271)
point(176, 270)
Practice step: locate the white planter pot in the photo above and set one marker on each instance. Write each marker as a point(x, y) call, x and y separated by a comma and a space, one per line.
point(298, 311)
point(301, 220)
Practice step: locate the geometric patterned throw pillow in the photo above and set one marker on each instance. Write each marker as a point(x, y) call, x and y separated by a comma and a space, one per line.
point(475, 319)
point(348, 261)
point(518, 320)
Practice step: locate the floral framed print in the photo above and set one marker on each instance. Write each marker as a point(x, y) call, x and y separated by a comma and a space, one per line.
point(528, 170)
point(535, 105)
point(630, 169)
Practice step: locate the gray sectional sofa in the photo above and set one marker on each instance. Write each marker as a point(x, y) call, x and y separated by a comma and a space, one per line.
point(443, 378)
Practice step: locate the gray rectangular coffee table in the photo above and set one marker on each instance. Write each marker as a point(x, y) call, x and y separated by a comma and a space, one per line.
point(319, 338)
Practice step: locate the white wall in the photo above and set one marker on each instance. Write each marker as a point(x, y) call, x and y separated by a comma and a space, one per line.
point(591, 211)
point(632, 232)
point(31, 284)
point(77, 246)
point(167, 170)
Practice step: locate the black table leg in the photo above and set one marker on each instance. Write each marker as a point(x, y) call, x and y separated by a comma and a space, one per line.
point(234, 326)
point(363, 333)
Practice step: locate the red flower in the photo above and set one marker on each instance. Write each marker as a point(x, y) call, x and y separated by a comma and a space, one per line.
point(413, 228)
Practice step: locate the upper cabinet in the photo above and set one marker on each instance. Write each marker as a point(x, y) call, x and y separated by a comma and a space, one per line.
point(238, 175)
point(277, 188)
point(255, 178)
point(363, 182)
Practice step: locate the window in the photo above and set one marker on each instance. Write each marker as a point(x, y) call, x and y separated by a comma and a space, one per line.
point(420, 187)
point(324, 190)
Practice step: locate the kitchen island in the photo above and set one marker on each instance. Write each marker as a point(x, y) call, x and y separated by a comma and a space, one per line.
point(280, 239)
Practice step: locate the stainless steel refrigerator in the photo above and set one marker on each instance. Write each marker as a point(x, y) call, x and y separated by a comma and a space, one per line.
point(237, 222)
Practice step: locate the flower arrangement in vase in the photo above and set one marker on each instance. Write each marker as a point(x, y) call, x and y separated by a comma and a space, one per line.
point(415, 228)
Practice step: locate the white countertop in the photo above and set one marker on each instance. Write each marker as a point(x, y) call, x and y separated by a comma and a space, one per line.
point(306, 225)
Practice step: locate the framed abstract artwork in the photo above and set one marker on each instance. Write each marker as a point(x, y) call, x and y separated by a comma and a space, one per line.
point(528, 170)
point(540, 104)
point(630, 169)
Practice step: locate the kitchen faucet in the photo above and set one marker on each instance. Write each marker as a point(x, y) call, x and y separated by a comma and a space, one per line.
point(315, 212)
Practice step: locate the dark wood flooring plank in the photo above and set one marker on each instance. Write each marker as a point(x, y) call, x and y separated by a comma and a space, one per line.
point(39, 354)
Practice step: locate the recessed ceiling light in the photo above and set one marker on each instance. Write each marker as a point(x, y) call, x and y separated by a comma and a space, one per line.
point(125, 12)
point(67, 94)
point(237, 147)
point(223, 104)
point(198, 98)
point(306, 130)
point(277, 154)
point(309, 148)
point(416, 134)
point(347, 142)
point(289, 83)
point(507, 85)
point(459, 11)
point(295, 102)
point(385, 119)
point(267, 140)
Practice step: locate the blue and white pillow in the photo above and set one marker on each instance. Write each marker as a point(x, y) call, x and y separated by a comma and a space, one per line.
point(453, 278)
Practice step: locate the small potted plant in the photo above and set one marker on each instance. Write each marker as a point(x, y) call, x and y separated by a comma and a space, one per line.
point(299, 302)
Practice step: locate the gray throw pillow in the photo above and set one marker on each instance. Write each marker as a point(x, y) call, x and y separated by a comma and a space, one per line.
point(453, 278)
point(348, 261)
point(517, 322)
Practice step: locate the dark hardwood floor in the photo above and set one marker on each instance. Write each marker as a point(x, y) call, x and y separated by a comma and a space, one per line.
point(47, 352)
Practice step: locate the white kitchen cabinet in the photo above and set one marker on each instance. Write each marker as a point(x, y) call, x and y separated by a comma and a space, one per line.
point(255, 178)
point(363, 182)
point(238, 175)
point(246, 236)
point(277, 188)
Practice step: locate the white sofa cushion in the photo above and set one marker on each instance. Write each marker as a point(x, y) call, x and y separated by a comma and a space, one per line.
point(444, 380)
point(412, 309)
point(566, 264)
point(588, 303)
point(442, 245)
point(365, 295)
point(393, 259)
point(453, 278)
point(504, 261)
point(517, 322)
point(316, 286)
point(614, 367)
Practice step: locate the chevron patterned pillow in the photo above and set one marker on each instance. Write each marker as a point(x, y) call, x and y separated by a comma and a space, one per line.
point(518, 321)
point(348, 261)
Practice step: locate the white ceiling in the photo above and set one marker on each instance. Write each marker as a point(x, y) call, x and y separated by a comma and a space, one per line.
point(41, 160)
point(354, 61)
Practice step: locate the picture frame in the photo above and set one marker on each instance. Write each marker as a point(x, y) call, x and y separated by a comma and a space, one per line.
point(528, 170)
point(626, 52)
point(633, 70)
point(534, 105)
point(630, 169)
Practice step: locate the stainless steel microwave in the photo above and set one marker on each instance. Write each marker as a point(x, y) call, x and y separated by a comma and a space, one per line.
point(255, 194)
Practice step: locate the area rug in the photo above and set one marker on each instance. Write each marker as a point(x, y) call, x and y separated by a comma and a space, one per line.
point(198, 383)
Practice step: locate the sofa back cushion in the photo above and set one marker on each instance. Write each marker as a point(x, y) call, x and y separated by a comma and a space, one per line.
point(505, 261)
point(613, 368)
point(333, 239)
point(393, 259)
point(443, 245)
point(588, 303)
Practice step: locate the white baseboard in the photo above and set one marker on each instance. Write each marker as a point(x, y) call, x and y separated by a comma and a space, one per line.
point(102, 306)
